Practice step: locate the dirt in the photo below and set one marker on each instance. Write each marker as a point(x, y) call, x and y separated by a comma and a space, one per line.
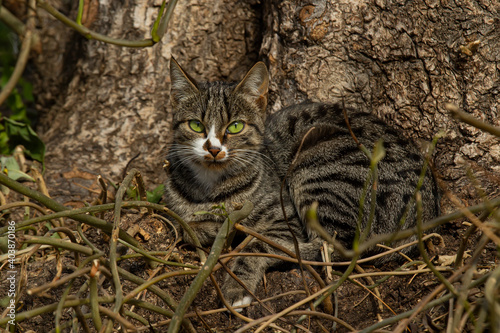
point(354, 304)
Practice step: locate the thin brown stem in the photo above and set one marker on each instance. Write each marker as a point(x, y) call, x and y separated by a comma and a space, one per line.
point(468, 119)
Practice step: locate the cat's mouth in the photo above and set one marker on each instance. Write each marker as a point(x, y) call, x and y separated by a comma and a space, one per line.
point(214, 164)
point(215, 159)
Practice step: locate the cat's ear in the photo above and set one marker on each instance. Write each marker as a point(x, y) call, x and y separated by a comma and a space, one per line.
point(183, 85)
point(255, 85)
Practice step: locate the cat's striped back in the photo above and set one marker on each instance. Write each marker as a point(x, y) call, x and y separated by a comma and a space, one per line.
point(332, 170)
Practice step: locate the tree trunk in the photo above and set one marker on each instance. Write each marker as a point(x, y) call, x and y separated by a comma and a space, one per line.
point(403, 60)
point(102, 104)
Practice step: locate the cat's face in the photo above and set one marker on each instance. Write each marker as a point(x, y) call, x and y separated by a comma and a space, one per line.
point(217, 124)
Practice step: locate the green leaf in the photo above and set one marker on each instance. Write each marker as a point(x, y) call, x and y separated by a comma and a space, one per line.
point(156, 195)
point(10, 167)
point(9, 163)
point(26, 90)
point(4, 139)
point(22, 134)
point(132, 193)
point(16, 174)
point(19, 105)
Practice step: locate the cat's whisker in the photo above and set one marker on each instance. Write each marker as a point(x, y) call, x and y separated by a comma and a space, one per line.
point(266, 161)
point(241, 163)
point(183, 160)
point(180, 147)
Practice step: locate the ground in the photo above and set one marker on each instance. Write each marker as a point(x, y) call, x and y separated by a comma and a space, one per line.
point(354, 304)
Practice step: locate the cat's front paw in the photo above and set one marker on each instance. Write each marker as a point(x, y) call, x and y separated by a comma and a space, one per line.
point(249, 272)
point(236, 296)
point(244, 301)
point(204, 231)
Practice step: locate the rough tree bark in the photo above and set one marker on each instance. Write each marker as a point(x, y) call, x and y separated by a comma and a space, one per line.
point(403, 60)
point(101, 104)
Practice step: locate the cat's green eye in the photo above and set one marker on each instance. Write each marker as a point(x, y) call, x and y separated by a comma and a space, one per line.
point(196, 126)
point(235, 127)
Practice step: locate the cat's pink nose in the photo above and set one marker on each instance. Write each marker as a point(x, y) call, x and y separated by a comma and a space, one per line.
point(214, 151)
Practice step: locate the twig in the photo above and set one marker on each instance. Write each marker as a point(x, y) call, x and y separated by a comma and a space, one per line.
point(103, 196)
point(79, 16)
point(149, 283)
point(135, 316)
point(421, 248)
point(236, 250)
point(170, 224)
point(322, 294)
point(217, 247)
point(318, 263)
point(79, 302)
point(414, 311)
point(165, 18)
point(59, 311)
point(299, 313)
point(22, 60)
point(147, 255)
point(58, 243)
point(151, 307)
point(477, 222)
point(49, 308)
point(158, 31)
point(424, 304)
point(348, 124)
point(117, 318)
point(462, 302)
point(375, 294)
point(113, 244)
point(463, 243)
point(491, 295)
point(12, 21)
point(23, 204)
point(94, 304)
point(61, 281)
point(468, 119)
point(4, 256)
point(72, 238)
point(81, 319)
point(226, 304)
point(19, 27)
point(78, 213)
point(55, 206)
point(89, 34)
point(141, 188)
point(440, 220)
point(156, 290)
point(189, 231)
point(391, 250)
point(202, 313)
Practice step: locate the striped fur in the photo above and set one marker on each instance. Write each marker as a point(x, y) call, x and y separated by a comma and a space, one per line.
point(214, 166)
point(332, 170)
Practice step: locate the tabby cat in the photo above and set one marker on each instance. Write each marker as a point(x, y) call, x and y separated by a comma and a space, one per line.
point(225, 151)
